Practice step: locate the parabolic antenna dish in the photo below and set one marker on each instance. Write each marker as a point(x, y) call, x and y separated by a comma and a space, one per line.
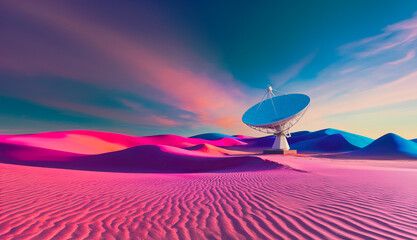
point(277, 114)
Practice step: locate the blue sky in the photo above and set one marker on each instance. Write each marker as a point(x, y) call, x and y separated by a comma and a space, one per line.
point(186, 67)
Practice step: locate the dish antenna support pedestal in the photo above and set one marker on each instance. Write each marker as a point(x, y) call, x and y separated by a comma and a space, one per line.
point(280, 142)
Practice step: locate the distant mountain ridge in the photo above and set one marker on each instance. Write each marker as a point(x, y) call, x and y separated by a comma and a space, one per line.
point(327, 143)
point(102, 151)
point(389, 146)
point(354, 139)
point(212, 136)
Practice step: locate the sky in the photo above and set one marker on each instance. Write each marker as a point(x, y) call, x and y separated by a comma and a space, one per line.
point(188, 67)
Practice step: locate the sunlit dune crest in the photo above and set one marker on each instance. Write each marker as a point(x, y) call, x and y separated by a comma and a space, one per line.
point(389, 146)
point(213, 150)
point(93, 142)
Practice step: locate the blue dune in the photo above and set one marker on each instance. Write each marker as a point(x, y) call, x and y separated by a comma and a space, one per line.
point(212, 136)
point(268, 141)
point(303, 141)
point(299, 133)
point(414, 140)
point(265, 142)
point(327, 143)
point(354, 139)
point(389, 146)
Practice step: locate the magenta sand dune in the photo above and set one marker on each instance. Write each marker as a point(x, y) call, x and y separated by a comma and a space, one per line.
point(172, 187)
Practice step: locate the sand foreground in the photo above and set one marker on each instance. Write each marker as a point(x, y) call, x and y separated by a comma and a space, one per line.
point(325, 200)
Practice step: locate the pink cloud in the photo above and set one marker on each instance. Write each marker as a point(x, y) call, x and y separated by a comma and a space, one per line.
point(176, 84)
point(143, 116)
point(400, 33)
point(370, 91)
point(162, 120)
point(410, 55)
point(349, 70)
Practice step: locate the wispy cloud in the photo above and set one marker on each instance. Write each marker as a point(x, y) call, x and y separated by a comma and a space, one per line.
point(291, 72)
point(410, 55)
point(395, 35)
point(211, 95)
point(375, 73)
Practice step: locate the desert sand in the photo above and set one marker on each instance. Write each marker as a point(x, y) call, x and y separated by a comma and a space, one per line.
point(54, 186)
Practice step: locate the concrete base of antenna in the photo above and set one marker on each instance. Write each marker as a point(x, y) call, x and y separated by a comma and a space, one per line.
point(280, 151)
point(280, 146)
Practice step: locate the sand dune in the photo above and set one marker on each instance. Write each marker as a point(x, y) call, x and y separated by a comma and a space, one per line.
point(213, 150)
point(62, 150)
point(331, 203)
point(354, 139)
point(178, 141)
point(212, 136)
point(326, 140)
point(389, 146)
point(328, 143)
point(93, 142)
point(172, 187)
point(299, 133)
point(144, 158)
point(260, 142)
point(160, 158)
point(20, 154)
point(83, 142)
point(242, 137)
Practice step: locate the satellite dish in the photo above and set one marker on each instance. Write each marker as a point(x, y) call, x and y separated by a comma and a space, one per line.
point(276, 115)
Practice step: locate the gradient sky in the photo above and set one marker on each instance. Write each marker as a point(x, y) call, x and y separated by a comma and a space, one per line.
point(187, 67)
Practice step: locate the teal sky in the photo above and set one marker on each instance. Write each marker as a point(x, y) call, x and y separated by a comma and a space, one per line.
point(254, 40)
point(187, 67)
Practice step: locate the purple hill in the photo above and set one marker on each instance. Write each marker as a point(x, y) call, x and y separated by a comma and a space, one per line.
point(264, 142)
point(354, 139)
point(144, 158)
point(299, 133)
point(327, 143)
point(389, 146)
point(212, 136)
point(267, 141)
point(318, 141)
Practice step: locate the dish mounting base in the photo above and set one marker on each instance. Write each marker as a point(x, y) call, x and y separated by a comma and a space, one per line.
point(280, 151)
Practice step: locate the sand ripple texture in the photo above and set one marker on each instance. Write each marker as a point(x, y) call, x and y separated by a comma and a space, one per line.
point(46, 203)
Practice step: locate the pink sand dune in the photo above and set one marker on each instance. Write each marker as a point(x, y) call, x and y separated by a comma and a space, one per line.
point(211, 192)
point(178, 141)
point(213, 150)
point(93, 142)
point(161, 158)
point(243, 137)
point(144, 158)
point(21, 154)
point(328, 202)
point(83, 142)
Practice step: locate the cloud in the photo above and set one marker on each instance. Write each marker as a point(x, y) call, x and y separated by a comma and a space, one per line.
point(291, 72)
point(165, 121)
point(410, 55)
point(120, 60)
point(374, 74)
point(395, 35)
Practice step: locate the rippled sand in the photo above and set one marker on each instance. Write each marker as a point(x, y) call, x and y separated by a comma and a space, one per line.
point(325, 200)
